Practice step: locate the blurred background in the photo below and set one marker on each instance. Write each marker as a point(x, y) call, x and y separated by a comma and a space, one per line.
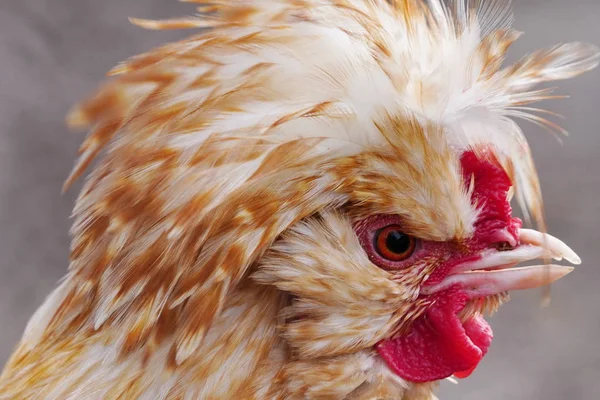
point(54, 52)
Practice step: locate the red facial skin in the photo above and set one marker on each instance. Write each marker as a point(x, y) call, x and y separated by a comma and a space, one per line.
point(438, 344)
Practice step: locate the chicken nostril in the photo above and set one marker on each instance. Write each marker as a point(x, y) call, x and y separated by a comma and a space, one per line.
point(503, 246)
point(503, 240)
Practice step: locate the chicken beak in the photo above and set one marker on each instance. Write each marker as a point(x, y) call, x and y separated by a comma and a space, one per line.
point(487, 283)
point(493, 273)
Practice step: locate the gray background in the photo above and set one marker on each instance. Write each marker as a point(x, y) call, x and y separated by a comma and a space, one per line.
point(54, 52)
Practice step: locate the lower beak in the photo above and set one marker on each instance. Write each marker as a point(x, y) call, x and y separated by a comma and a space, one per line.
point(493, 273)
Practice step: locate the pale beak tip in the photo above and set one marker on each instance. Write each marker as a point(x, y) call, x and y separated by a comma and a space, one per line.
point(560, 271)
point(569, 270)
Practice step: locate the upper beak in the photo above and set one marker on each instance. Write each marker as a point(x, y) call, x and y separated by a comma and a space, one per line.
point(493, 273)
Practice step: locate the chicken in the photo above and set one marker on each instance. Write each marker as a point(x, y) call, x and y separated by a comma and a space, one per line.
point(309, 200)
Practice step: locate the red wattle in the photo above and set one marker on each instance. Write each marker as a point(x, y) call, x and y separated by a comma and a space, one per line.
point(480, 333)
point(438, 344)
point(464, 374)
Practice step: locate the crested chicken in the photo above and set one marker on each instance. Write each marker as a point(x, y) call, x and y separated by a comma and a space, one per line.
point(307, 199)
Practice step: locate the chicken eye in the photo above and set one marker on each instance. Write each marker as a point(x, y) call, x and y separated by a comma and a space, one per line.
point(393, 244)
